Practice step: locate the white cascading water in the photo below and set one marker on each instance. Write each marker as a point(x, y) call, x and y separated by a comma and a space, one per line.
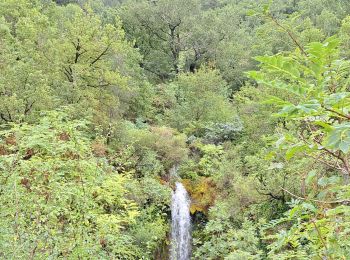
point(180, 224)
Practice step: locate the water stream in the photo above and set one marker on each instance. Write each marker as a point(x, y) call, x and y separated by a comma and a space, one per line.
point(180, 224)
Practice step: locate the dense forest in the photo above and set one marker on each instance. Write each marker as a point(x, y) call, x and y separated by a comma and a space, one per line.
point(109, 106)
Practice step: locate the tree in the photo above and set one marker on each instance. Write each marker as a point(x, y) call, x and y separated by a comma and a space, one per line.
point(160, 30)
point(196, 96)
point(56, 56)
point(316, 113)
point(59, 199)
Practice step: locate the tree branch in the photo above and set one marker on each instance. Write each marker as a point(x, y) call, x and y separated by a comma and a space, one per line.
point(314, 200)
point(290, 34)
point(337, 113)
point(100, 56)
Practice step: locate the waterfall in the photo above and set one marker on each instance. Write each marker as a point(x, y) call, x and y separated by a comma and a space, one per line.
point(180, 224)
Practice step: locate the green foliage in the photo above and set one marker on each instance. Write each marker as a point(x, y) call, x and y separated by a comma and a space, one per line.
point(152, 85)
point(206, 161)
point(313, 231)
point(158, 143)
point(317, 107)
point(196, 94)
point(59, 200)
point(222, 240)
point(150, 231)
point(55, 56)
point(319, 102)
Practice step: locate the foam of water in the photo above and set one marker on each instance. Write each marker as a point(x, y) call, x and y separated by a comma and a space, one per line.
point(180, 224)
